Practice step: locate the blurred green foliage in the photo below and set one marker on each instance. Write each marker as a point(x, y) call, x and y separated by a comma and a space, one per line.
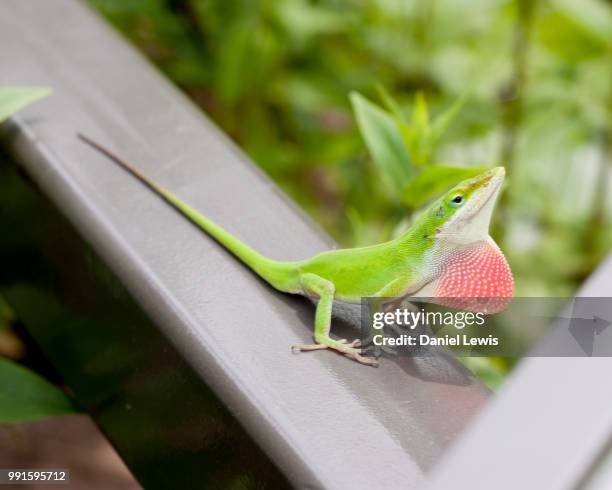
point(276, 76)
point(13, 99)
point(297, 84)
point(27, 396)
point(403, 149)
point(24, 395)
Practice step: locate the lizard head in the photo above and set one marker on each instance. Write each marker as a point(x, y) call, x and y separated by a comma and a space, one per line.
point(465, 262)
point(463, 214)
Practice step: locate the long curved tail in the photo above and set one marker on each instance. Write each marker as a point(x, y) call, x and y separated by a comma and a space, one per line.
point(281, 275)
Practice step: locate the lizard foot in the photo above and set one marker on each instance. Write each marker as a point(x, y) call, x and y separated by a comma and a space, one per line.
point(297, 348)
point(355, 355)
point(354, 343)
point(350, 350)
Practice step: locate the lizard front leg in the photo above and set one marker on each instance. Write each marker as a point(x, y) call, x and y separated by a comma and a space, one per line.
point(324, 290)
point(386, 299)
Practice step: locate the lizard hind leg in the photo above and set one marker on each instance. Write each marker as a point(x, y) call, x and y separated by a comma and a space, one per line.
point(324, 290)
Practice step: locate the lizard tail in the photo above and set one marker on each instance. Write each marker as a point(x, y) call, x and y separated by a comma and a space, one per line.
point(281, 275)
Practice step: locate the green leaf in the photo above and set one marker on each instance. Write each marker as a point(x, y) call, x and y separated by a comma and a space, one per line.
point(593, 17)
point(444, 120)
point(420, 115)
point(303, 19)
point(417, 135)
point(234, 71)
point(384, 141)
point(392, 106)
point(13, 99)
point(406, 132)
point(570, 40)
point(488, 369)
point(434, 180)
point(27, 396)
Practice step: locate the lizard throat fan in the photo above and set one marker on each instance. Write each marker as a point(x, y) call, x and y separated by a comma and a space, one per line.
point(472, 272)
point(476, 278)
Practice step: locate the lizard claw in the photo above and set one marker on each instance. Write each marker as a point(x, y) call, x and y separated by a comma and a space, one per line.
point(352, 350)
point(354, 343)
point(355, 354)
point(297, 348)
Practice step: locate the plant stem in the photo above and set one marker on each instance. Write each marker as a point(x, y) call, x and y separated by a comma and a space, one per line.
point(596, 223)
point(512, 96)
point(424, 14)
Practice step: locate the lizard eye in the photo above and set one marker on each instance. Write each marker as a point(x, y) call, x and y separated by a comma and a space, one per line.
point(457, 200)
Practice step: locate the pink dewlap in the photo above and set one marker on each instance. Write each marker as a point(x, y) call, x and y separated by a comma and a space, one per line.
point(477, 278)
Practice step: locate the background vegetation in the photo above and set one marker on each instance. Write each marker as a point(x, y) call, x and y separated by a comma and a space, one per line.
point(537, 75)
point(280, 76)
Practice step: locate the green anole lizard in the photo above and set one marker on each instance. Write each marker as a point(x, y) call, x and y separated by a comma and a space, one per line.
point(446, 255)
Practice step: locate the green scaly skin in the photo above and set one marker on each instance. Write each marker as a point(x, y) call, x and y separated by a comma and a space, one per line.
point(394, 269)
